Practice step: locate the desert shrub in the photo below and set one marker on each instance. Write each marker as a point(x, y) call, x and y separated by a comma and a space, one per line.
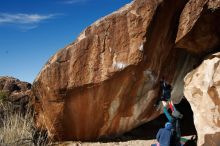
point(3, 96)
point(17, 129)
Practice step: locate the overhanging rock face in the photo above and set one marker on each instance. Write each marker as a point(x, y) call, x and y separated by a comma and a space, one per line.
point(199, 29)
point(202, 90)
point(106, 82)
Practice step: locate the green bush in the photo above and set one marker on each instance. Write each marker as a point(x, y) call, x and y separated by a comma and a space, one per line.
point(3, 96)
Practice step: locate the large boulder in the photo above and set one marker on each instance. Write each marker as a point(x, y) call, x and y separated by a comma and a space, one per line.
point(106, 82)
point(202, 90)
point(15, 94)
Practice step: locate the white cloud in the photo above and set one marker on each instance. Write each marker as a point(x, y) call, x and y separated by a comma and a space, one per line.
point(74, 1)
point(21, 18)
point(25, 28)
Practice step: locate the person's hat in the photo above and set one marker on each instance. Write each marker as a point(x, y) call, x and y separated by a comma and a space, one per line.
point(168, 125)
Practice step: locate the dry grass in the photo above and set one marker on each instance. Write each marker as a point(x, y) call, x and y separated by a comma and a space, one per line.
point(17, 129)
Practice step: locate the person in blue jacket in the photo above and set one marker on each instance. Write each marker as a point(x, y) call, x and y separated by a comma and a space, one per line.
point(164, 135)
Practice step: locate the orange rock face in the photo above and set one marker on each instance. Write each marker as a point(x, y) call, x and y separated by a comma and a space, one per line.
point(199, 29)
point(106, 82)
point(202, 90)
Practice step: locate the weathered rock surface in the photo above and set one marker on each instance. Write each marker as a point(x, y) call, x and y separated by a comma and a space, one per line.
point(18, 92)
point(199, 29)
point(106, 82)
point(202, 90)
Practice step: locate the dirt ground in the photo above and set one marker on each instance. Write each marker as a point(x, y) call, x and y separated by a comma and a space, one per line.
point(127, 143)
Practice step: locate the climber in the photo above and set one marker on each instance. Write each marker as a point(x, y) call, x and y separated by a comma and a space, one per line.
point(173, 118)
point(166, 99)
point(166, 94)
point(164, 135)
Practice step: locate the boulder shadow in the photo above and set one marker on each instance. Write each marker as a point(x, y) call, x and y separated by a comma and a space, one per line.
point(149, 130)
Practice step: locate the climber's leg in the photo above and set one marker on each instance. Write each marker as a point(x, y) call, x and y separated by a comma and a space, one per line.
point(171, 106)
point(170, 119)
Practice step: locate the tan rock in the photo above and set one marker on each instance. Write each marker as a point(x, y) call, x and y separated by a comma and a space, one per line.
point(202, 90)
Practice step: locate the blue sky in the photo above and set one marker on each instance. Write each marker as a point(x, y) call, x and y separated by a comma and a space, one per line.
point(31, 31)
